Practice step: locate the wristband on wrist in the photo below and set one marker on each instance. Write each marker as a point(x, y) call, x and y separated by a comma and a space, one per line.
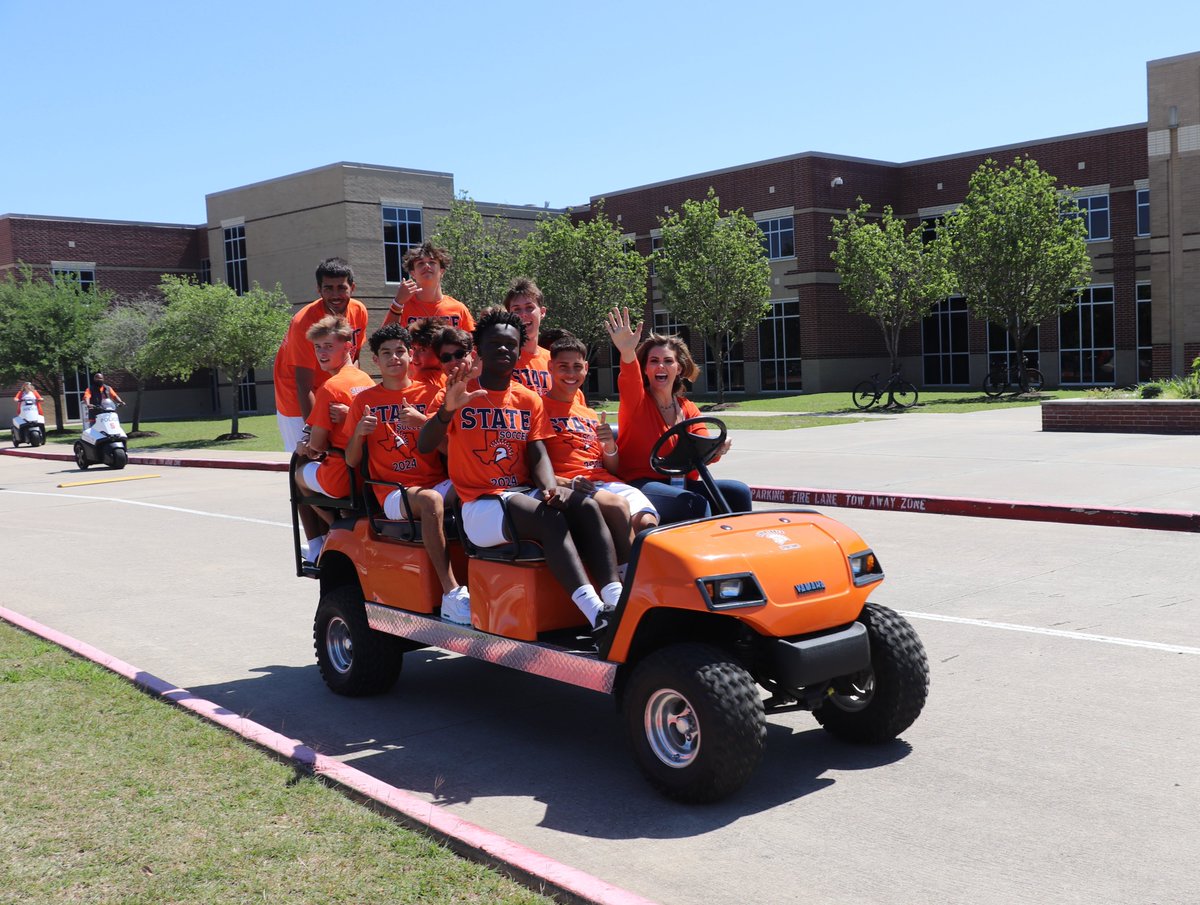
point(610, 452)
point(397, 309)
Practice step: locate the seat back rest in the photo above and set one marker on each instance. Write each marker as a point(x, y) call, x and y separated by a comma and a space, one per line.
point(522, 550)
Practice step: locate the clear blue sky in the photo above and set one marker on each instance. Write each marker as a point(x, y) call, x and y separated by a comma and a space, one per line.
point(136, 110)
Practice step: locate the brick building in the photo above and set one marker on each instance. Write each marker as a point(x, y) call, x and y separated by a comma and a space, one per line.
point(1138, 188)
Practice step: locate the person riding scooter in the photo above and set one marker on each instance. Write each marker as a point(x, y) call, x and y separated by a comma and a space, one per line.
point(104, 439)
point(97, 392)
point(29, 424)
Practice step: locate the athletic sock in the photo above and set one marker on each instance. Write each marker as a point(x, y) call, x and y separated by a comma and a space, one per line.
point(610, 594)
point(589, 603)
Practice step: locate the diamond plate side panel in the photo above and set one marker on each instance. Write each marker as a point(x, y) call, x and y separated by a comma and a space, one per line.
point(583, 670)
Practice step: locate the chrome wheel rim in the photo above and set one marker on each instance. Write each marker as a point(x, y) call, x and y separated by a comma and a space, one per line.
point(339, 645)
point(853, 695)
point(672, 729)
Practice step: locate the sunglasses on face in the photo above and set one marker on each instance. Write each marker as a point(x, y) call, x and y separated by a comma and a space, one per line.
point(447, 357)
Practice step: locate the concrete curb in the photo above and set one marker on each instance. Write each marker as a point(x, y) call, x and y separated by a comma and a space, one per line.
point(1105, 516)
point(1152, 519)
point(535, 870)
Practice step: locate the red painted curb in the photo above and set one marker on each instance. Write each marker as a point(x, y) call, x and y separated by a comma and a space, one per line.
point(1153, 519)
point(538, 871)
point(162, 461)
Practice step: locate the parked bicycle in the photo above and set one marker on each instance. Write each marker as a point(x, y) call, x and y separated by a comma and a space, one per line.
point(899, 392)
point(1002, 379)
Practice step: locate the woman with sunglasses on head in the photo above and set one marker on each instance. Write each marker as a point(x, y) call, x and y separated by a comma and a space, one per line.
point(655, 373)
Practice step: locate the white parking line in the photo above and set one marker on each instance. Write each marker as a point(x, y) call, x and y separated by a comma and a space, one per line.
point(109, 499)
point(1057, 633)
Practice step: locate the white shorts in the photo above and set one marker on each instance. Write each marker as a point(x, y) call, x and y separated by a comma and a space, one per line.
point(638, 501)
point(393, 503)
point(308, 472)
point(291, 428)
point(483, 519)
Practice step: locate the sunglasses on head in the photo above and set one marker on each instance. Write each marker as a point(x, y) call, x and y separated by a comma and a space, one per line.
point(447, 357)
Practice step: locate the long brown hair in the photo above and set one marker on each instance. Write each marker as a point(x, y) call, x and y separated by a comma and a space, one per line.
point(688, 370)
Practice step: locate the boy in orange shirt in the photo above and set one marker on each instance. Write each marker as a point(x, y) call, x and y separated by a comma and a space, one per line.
point(495, 428)
point(389, 416)
point(525, 300)
point(421, 294)
point(332, 338)
point(296, 374)
point(584, 452)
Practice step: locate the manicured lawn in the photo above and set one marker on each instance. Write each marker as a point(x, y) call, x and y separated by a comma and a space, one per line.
point(110, 795)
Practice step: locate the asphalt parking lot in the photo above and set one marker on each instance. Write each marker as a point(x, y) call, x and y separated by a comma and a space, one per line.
point(1056, 758)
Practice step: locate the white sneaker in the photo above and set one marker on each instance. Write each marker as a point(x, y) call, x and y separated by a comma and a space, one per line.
point(456, 606)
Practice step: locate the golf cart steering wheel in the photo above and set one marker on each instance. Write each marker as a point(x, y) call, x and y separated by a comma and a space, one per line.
point(692, 451)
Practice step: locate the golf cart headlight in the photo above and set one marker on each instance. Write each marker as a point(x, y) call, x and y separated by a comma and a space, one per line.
point(722, 592)
point(865, 568)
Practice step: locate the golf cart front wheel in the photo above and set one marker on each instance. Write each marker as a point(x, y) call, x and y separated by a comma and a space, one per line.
point(695, 722)
point(81, 458)
point(880, 702)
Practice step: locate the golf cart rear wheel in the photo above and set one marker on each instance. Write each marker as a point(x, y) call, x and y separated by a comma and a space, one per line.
point(879, 703)
point(695, 722)
point(354, 659)
point(81, 458)
point(116, 457)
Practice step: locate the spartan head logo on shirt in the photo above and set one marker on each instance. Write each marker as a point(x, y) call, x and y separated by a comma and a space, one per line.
point(497, 452)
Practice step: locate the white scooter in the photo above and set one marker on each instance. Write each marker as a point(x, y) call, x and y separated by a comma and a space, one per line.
point(104, 441)
point(29, 425)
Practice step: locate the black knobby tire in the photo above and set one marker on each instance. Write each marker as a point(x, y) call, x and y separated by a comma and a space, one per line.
point(695, 722)
point(354, 659)
point(116, 457)
point(903, 394)
point(81, 458)
point(878, 704)
point(865, 395)
point(994, 385)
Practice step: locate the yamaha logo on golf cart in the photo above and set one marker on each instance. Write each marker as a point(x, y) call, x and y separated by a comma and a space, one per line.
point(807, 587)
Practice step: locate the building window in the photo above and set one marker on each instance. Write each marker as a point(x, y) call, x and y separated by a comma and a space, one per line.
point(1094, 210)
point(655, 245)
point(247, 395)
point(734, 364)
point(1145, 346)
point(779, 237)
point(74, 385)
point(236, 274)
point(779, 347)
point(1143, 212)
point(945, 357)
point(205, 271)
point(1086, 348)
point(82, 275)
point(401, 231)
point(1001, 353)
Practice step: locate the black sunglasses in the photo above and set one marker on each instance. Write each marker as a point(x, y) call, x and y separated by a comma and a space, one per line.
point(447, 357)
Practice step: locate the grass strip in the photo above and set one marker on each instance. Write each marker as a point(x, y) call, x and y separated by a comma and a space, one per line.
point(110, 795)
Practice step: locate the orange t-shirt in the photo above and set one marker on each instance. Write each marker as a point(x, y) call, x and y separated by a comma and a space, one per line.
point(640, 424)
point(574, 450)
point(37, 398)
point(392, 447)
point(533, 370)
point(488, 440)
point(296, 351)
point(458, 314)
point(341, 387)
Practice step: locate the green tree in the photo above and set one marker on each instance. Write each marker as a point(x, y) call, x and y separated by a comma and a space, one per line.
point(211, 326)
point(584, 268)
point(713, 273)
point(120, 342)
point(1018, 247)
point(46, 330)
point(484, 253)
point(888, 272)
